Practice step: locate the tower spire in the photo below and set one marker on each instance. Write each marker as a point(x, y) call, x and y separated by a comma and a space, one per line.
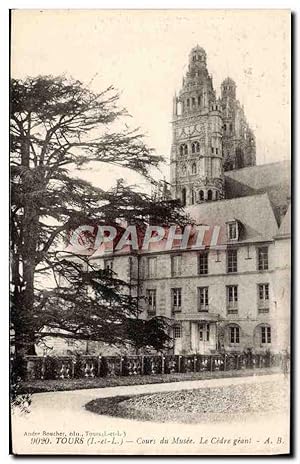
point(196, 166)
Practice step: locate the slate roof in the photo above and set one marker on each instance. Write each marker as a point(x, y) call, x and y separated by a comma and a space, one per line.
point(254, 212)
point(273, 179)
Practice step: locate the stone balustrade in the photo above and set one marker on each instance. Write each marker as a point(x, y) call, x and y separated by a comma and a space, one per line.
point(89, 366)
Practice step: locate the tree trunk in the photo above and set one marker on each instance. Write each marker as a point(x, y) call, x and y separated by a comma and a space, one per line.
point(26, 257)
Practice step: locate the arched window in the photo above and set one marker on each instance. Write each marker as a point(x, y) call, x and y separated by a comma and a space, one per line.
point(199, 100)
point(188, 103)
point(262, 335)
point(209, 195)
point(193, 148)
point(181, 149)
point(185, 149)
point(183, 196)
point(194, 168)
point(197, 147)
point(184, 169)
point(201, 195)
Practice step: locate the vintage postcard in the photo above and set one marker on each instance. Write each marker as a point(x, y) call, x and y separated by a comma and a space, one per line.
point(150, 232)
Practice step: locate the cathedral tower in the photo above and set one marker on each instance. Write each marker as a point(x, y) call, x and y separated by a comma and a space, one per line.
point(238, 139)
point(196, 153)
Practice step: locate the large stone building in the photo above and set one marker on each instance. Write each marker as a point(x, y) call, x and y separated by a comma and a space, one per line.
point(236, 296)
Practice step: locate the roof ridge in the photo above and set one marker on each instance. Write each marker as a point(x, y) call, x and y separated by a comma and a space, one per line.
point(258, 166)
point(230, 199)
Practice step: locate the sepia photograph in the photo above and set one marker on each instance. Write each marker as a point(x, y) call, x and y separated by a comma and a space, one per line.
point(150, 232)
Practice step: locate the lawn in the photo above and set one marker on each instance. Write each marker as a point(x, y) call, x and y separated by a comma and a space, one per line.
point(234, 402)
point(37, 386)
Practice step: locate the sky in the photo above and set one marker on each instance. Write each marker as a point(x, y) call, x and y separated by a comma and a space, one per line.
point(144, 54)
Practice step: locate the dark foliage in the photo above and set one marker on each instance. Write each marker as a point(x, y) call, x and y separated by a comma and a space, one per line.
point(57, 125)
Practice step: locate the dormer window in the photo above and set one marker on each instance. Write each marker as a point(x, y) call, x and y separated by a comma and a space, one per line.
point(233, 230)
point(108, 265)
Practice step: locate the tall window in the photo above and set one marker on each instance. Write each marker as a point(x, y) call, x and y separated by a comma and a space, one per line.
point(201, 195)
point(265, 334)
point(203, 263)
point(263, 298)
point(151, 299)
point(231, 260)
point(209, 195)
point(232, 299)
point(176, 299)
point(204, 332)
point(197, 147)
point(176, 265)
point(209, 171)
point(203, 298)
point(194, 168)
point(183, 196)
point(193, 196)
point(152, 267)
point(177, 331)
point(185, 149)
point(234, 333)
point(262, 258)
